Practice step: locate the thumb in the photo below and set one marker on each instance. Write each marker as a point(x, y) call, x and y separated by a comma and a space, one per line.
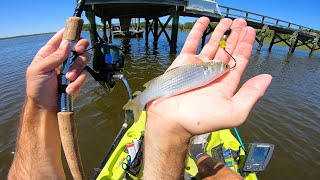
point(55, 59)
point(248, 95)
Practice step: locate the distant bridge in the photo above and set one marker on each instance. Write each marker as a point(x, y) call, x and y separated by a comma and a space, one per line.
point(296, 35)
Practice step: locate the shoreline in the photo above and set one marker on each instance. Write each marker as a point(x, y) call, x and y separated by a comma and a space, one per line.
point(20, 36)
point(266, 41)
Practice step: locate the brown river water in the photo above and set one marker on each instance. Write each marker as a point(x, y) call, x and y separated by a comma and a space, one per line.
point(287, 116)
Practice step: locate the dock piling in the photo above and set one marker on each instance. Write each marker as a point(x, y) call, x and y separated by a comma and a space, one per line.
point(314, 44)
point(262, 35)
point(147, 30)
point(293, 42)
point(93, 30)
point(110, 31)
point(272, 41)
point(104, 30)
point(155, 31)
point(174, 32)
point(208, 31)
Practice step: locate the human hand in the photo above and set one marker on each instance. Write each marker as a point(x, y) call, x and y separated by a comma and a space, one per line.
point(216, 105)
point(41, 76)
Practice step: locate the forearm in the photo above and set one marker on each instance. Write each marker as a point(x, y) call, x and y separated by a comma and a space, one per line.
point(210, 169)
point(165, 151)
point(38, 147)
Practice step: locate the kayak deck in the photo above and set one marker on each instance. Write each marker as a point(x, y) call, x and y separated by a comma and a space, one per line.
point(113, 168)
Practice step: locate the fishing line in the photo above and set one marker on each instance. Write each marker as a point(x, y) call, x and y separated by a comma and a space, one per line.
point(96, 45)
point(76, 54)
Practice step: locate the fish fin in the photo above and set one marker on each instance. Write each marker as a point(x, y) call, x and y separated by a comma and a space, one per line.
point(149, 82)
point(198, 61)
point(172, 69)
point(137, 93)
point(135, 106)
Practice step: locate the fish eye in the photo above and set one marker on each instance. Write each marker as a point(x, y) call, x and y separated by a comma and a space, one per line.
point(226, 65)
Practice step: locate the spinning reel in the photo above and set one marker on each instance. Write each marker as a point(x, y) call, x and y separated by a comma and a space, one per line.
point(108, 62)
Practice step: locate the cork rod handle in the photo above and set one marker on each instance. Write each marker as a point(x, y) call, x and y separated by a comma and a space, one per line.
point(70, 145)
point(73, 29)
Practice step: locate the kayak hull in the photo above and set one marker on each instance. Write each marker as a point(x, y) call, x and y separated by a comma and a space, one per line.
point(113, 168)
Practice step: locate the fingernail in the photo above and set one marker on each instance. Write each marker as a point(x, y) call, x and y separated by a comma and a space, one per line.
point(64, 43)
point(81, 49)
point(70, 90)
point(71, 74)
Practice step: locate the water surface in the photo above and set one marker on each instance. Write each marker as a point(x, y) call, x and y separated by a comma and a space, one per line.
point(287, 116)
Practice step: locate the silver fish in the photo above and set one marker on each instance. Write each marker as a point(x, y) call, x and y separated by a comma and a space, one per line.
point(176, 81)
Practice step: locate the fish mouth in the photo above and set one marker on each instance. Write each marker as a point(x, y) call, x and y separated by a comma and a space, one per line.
point(226, 66)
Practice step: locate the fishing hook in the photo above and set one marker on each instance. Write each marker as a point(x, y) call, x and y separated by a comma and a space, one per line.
point(223, 44)
point(235, 62)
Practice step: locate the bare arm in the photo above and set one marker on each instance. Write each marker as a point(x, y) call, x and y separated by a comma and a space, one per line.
point(38, 150)
point(38, 147)
point(165, 151)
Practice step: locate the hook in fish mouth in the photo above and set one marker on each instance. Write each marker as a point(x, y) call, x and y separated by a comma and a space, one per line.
point(235, 61)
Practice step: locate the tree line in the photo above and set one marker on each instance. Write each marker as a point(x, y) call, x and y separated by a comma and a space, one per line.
point(186, 25)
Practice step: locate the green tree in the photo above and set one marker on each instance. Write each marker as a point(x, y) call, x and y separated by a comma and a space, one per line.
point(86, 27)
point(188, 25)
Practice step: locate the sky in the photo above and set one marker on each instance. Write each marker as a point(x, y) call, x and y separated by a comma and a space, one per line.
point(23, 17)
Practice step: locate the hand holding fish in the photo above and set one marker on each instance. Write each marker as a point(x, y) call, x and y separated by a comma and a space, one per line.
point(171, 122)
point(214, 106)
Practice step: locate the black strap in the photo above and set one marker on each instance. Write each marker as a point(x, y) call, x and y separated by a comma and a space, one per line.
point(62, 88)
point(136, 164)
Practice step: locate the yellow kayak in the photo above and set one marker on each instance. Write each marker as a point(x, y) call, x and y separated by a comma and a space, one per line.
point(113, 169)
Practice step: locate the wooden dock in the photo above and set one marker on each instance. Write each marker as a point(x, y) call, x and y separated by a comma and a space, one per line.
point(293, 35)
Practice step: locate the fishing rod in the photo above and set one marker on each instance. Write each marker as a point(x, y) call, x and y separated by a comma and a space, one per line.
point(66, 122)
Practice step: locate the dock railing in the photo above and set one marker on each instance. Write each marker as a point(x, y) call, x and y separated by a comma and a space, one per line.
point(258, 18)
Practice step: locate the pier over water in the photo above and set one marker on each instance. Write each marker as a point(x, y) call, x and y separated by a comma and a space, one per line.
point(291, 34)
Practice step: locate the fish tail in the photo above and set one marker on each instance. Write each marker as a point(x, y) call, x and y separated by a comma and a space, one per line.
point(135, 106)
